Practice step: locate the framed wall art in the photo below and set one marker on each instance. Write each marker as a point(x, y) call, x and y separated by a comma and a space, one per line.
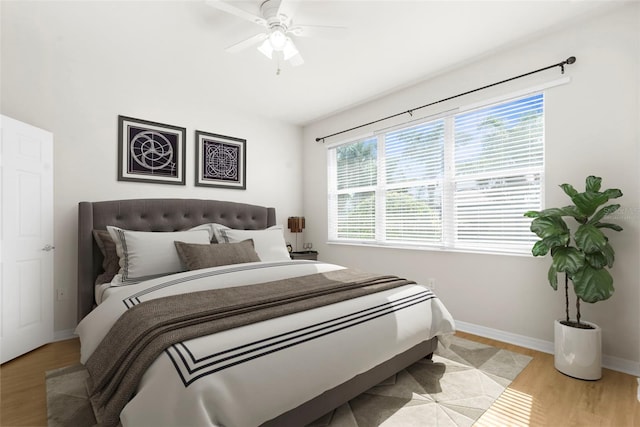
point(150, 151)
point(220, 161)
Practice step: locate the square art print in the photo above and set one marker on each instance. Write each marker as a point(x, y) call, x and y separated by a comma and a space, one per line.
point(220, 161)
point(150, 151)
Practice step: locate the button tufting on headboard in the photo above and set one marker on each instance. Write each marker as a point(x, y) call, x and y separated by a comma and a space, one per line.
point(152, 215)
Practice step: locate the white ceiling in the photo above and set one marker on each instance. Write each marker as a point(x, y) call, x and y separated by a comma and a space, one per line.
point(390, 44)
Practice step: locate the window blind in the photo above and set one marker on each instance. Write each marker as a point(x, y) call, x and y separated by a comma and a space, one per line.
point(413, 167)
point(498, 164)
point(458, 182)
point(354, 198)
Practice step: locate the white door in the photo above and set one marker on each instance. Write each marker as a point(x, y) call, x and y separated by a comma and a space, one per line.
point(26, 238)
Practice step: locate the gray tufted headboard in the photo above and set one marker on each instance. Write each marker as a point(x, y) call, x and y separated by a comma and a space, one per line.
point(152, 215)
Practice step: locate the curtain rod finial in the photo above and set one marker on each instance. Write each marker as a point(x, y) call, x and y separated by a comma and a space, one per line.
point(571, 60)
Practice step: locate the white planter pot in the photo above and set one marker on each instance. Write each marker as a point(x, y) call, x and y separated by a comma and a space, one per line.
point(578, 352)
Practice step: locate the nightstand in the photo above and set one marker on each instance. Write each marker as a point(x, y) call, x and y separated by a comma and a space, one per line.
point(312, 255)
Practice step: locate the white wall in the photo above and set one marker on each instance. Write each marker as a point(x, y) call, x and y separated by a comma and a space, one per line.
point(60, 72)
point(64, 69)
point(592, 127)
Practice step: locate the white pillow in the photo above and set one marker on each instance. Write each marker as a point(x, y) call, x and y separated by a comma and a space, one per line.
point(269, 243)
point(144, 255)
point(214, 230)
point(209, 227)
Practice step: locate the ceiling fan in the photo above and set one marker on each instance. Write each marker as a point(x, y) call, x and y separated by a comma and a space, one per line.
point(276, 38)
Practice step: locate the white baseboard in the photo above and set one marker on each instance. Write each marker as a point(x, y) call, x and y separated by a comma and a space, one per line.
point(508, 337)
point(610, 362)
point(622, 365)
point(65, 334)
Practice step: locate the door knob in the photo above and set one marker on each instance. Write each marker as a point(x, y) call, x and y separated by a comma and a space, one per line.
point(48, 248)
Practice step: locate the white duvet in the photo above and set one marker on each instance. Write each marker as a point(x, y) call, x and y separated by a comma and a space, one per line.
point(249, 375)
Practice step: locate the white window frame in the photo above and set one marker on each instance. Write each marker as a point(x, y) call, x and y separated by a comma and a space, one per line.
point(449, 240)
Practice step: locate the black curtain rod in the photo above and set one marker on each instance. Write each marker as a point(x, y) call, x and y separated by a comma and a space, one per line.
point(568, 61)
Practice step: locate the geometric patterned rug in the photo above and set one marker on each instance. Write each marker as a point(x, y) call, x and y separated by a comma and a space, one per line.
point(453, 389)
point(67, 400)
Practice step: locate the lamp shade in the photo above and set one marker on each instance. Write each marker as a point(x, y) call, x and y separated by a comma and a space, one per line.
point(296, 224)
point(289, 50)
point(266, 49)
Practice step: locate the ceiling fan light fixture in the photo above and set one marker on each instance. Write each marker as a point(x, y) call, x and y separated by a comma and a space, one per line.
point(289, 50)
point(277, 27)
point(278, 39)
point(266, 49)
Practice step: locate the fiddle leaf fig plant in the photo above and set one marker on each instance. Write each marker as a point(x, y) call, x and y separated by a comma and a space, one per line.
point(584, 253)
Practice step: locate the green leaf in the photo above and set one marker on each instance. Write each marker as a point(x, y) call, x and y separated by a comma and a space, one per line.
point(592, 284)
point(596, 260)
point(601, 259)
point(573, 211)
point(589, 201)
point(569, 190)
point(540, 248)
point(590, 239)
point(557, 240)
point(552, 275)
point(609, 209)
point(549, 226)
point(567, 260)
point(566, 211)
point(615, 227)
point(610, 254)
point(553, 212)
point(613, 193)
point(593, 183)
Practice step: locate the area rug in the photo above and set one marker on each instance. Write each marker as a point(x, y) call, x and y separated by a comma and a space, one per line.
point(453, 389)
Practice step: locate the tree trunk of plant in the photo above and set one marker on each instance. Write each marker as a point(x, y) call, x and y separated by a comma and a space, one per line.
point(578, 310)
point(566, 295)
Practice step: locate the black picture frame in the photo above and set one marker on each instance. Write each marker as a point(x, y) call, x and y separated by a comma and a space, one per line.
point(221, 161)
point(151, 152)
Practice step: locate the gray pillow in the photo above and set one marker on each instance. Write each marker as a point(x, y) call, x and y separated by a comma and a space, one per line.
point(110, 261)
point(196, 256)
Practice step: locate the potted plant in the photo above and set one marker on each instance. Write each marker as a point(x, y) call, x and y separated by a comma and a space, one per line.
point(584, 255)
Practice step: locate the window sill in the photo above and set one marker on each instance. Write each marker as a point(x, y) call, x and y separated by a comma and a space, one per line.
point(521, 253)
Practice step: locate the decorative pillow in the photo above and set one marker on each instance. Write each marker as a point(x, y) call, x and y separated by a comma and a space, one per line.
point(110, 259)
point(144, 255)
point(214, 229)
point(269, 243)
point(196, 256)
point(210, 229)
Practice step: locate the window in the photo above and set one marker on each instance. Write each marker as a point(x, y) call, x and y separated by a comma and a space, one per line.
point(461, 182)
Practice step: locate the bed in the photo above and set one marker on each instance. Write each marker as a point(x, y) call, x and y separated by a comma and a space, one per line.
point(293, 386)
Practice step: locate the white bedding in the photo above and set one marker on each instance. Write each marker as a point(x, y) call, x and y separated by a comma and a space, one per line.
point(249, 375)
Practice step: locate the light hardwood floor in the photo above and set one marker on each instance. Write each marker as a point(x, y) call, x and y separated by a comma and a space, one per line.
point(22, 383)
point(539, 396)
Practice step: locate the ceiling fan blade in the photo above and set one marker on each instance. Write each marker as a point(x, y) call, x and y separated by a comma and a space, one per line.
point(255, 39)
point(234, 10)
point(320, 31)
